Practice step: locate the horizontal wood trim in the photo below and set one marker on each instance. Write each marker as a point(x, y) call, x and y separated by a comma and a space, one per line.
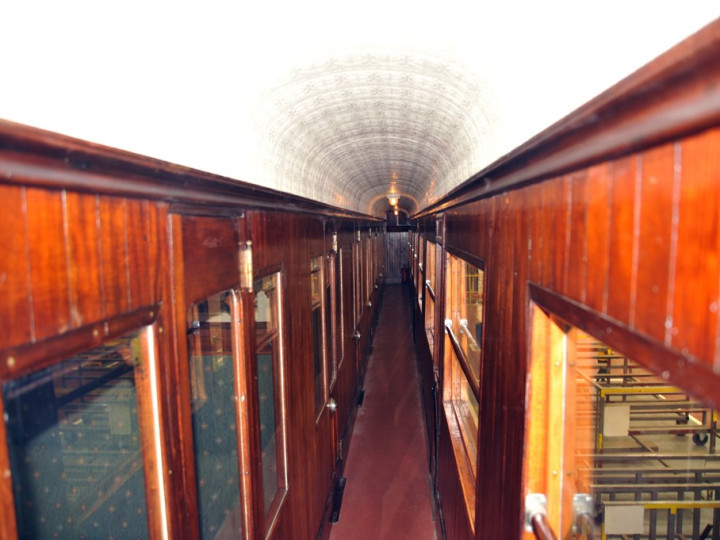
point(17, 361)
point(675, 95)
point(35, 157)
point(687, 372)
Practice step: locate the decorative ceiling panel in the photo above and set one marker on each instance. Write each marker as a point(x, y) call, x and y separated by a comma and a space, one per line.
point(351, 130)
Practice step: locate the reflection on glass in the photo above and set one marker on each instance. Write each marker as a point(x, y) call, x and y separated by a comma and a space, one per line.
point(213, 418)
point(466, 307)
point(74, 446)
point(316, 280)
point(641, 450)
point(269, 380)
point(466, 407)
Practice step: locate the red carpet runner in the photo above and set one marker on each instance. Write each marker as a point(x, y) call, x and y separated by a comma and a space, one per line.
point(387, 494)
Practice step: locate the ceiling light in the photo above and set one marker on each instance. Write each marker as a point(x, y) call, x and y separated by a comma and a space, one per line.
point(393, 198)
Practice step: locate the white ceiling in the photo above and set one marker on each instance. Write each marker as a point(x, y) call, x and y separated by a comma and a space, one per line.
point(340, 102)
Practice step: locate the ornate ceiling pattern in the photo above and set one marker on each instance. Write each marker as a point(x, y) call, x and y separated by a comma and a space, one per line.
point(357, 127)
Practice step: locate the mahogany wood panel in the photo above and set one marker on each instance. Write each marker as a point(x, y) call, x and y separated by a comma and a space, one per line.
point(114, 255)
point(554, 223)
point(210, 256)
point(48, 261)
point(620, 238)
point(455, 517)
point(576, 269)
point(84, 247)
point(697, 289)
point(176, 376)
point(622, 259)
point(597, 236)
point(655, 245)
point(15, 300)
point(143, 251)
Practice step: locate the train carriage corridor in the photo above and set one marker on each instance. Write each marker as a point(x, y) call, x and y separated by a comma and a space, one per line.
point(387, 492)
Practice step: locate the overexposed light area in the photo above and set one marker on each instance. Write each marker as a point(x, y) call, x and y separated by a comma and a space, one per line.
point(324, 99)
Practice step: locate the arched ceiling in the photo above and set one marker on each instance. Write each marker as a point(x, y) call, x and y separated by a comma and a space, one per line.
point(359, 127)
point(337, 102)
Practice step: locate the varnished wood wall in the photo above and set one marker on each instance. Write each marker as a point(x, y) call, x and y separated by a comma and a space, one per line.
point(625, 237)
point(80, 265)
point(634, 240)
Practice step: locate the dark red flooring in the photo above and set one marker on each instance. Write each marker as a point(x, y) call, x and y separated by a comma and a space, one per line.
point(387, 494)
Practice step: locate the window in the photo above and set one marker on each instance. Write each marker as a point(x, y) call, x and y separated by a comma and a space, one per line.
point(339, 308)
point(74, 443)
point(606, 430)
point(329, 314)
point(462, 361)
point(320, 367)
point(430, 297)
point(270, 387)
point(420, 285)
point(214, 419)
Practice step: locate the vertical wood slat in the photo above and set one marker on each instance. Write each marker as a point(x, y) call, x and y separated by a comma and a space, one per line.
point(553, 221)
point(143, 252)
point(535, 231)
point(622, 238)
point(654, 249)
point(114, 256)
point(696, 299)
point(577, 255)
point(15, 307)
point(599, 187)
point(84, 243)
point(50, 287)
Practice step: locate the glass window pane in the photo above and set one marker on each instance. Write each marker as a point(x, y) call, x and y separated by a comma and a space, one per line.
point(74, 445)
point(317, 360)
point(641, 449)
point(471, 314)
point(269, 380)
point(466, 410)
point(212, 375)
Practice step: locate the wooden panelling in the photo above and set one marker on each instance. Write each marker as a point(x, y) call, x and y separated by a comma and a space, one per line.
point(142, 227)
point(576, 269)
point(114, 254)
point(622, 280)
point(48, 257)
point(15, 299)
point(636, 238)
point(696, 302)
point(655, 239)
point(597, 237)
point(396, 249)
point(210, 256)
point(84, 246)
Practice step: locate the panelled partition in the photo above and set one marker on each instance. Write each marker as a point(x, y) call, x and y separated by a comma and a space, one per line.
point(566, 315)
point(180, 355)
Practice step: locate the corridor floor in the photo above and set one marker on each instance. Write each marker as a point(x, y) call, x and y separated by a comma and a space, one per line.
point(387, 492)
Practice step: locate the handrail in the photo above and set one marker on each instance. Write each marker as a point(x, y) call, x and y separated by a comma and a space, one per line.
point(541, 528)
point(462, 359)
point(430, 289)
point(468, 333)
point(536, 519)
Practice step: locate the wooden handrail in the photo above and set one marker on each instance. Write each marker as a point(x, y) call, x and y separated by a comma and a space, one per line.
point(541, 528)
point(430, 289)
point(462, 359)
